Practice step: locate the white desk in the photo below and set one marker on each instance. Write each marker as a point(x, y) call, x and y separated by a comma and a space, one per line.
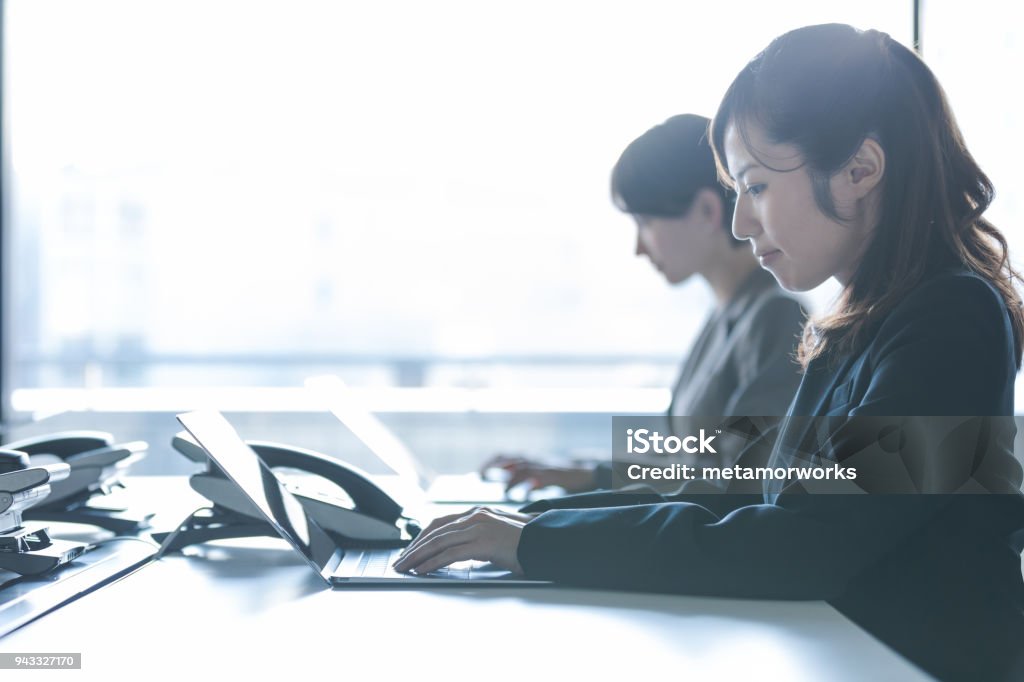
point(234, 612)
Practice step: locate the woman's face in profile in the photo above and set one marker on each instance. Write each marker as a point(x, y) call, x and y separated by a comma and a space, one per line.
point(776, 211)
point(682, 245)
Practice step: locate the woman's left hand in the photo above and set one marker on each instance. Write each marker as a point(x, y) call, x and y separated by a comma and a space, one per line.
point(482, 533)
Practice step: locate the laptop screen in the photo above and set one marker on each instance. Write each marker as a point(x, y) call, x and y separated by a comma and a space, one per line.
point(280, 508)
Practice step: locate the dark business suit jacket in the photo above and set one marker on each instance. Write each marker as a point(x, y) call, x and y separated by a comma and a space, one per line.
point(937, 576)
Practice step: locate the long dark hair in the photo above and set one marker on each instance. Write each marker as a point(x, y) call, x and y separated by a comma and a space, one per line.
point(825, 89)
point(660, 172)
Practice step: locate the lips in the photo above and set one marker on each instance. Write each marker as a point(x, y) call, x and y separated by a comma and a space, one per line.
point(767, 256)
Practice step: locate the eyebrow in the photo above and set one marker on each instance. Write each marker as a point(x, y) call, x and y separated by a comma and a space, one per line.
point(742, 171)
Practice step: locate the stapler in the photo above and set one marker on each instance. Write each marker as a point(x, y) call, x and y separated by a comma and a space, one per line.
point(28, 549)
point(357, 514)
point(96, 465)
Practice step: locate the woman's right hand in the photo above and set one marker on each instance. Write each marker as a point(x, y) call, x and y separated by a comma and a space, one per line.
point(535, 474)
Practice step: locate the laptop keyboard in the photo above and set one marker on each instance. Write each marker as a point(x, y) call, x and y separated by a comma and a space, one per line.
point(377, 564)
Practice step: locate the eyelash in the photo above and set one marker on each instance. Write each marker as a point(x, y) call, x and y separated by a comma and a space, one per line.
point(755, 190)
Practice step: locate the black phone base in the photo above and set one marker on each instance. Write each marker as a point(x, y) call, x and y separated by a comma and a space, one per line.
point(29, 550)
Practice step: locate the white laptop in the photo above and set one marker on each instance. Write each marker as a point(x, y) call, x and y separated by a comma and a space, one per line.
point(468, 488)
point(336, 566)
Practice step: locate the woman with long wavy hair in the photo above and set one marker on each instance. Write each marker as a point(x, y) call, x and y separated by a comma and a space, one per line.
point(848, 164)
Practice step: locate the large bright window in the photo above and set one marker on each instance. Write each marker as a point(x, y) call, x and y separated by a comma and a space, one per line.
point(215, 193)
point(975, 56)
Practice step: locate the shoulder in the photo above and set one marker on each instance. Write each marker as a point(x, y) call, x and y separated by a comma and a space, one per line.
point(957, 305)
point(946, 349)
point(955, 288)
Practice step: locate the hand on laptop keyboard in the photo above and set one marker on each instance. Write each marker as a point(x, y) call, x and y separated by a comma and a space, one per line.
point(531, 474)
point(480, 533)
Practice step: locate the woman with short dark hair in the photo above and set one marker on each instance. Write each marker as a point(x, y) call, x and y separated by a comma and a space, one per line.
point(743, 360)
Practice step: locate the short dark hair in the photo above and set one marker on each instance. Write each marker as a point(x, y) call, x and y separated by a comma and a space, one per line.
point(660, 172)
point(825, 89)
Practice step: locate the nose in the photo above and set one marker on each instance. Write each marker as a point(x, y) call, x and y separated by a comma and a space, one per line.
point(744, 223)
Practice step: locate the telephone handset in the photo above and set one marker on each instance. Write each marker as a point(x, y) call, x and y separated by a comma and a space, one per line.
point(96, 464)
point(363, 515)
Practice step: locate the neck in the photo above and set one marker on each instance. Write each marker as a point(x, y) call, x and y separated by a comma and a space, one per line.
point(726, 274)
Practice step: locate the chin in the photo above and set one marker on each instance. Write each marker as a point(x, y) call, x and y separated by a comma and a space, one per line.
point(795, 283)
point(674, 279)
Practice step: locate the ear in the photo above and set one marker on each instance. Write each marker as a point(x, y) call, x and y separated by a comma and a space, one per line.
point(708, 205)
point(863, 173)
